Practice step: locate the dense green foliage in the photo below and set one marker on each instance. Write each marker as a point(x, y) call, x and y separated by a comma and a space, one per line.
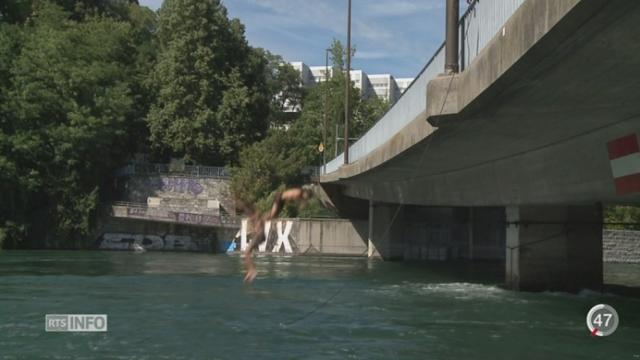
point(213, 97)
point(70, 100)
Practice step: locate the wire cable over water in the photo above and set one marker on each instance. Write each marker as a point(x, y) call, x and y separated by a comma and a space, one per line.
point(314, 310)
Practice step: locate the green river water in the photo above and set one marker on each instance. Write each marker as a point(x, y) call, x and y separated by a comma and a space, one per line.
point(195, 306)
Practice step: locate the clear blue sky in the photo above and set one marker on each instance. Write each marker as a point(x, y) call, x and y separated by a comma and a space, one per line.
point(390, 36)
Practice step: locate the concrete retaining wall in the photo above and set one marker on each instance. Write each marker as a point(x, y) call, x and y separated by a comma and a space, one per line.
point(121, 234)
point(192, 194)
point(312, 237)
point(621, 246)
point(285, 236)
point(331, 236)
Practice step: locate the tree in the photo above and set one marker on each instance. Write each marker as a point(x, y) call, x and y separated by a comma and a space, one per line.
point(284, 89)
point(17, 11)
point(67, 116)
point(366, 112)
point(212, 98)
point(14, 11)
point(12, 194)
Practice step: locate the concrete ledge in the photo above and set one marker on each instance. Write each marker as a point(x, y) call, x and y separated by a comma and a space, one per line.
point(443, 96)
point(173, 216)
point(417, 130)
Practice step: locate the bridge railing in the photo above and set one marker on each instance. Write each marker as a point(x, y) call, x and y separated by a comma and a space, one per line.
point(478, 25)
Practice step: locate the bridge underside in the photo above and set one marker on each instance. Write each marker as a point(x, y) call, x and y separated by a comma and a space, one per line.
point(533, 141)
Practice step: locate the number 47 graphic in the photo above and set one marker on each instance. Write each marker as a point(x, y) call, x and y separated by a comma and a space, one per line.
point(598, 319)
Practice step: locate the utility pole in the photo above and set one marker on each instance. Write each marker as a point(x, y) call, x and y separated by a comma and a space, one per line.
point(347, 112)
point(326, 109)
point(451, 51)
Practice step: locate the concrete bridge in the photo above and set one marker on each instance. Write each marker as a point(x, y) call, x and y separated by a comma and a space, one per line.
point(533, 135)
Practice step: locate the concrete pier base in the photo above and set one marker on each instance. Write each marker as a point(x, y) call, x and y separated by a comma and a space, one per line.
point(385, 231)
point(554, 247)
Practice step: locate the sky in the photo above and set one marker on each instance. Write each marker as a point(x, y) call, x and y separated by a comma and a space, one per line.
point(390, 36)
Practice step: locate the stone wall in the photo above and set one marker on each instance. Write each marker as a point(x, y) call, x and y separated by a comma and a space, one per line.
point(189, 193)
point(621, 246)
point(121, 234)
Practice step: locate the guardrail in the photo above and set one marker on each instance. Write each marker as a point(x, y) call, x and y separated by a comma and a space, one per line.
point(192, 170)
point(478, 25)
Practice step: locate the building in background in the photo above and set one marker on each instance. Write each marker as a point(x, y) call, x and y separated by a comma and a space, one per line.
point(385, 86)
point(403, 84)
point(319, 73)
point(361, 81)
point(306, 75)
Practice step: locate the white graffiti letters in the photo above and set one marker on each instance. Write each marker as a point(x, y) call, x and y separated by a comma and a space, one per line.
point(267, 229)
point(283, 236)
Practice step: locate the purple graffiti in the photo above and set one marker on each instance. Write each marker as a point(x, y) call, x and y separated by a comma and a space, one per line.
point(136, 211)
point(197, 219)
point(182, 185)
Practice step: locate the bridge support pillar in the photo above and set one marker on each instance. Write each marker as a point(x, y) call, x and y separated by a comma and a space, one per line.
point(554, 247)
point(385, 231)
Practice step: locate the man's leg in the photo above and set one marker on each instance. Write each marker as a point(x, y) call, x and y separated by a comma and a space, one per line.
point(257, 238)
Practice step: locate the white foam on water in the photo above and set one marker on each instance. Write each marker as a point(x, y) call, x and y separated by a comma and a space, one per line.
point(455, 290)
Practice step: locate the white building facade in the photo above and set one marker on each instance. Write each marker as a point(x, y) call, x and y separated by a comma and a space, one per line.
point(403, 84)
point(385, 86)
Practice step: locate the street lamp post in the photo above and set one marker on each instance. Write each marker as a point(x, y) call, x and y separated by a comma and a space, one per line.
point(451, 47)
point(347, 112)
point(326, 109)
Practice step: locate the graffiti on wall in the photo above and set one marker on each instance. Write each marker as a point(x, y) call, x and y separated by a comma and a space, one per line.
point(136, 211)
point(196, 219)
point(283, 240)
point(124, 241)
point(182, 185)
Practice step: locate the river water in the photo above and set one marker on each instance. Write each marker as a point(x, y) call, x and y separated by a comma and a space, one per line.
point(194, 306)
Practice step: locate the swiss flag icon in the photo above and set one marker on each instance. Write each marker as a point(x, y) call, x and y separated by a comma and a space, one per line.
point(624, 155)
